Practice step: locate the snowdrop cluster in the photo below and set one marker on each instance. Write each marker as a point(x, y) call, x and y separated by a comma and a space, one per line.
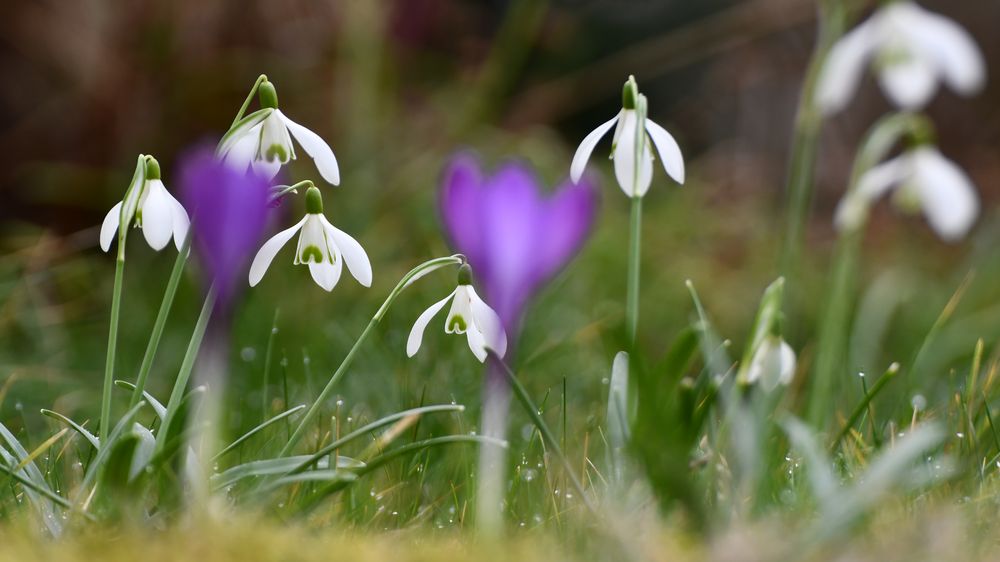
point(911, 50)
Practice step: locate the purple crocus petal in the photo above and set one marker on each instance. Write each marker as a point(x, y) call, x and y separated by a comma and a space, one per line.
point(570, 214)
point(228, 215)
point(516, 238)
point(460, 205)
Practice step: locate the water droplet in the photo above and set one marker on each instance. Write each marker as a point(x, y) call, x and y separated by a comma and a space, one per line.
point(529, 474)
point(248, 354)
point(605, 380)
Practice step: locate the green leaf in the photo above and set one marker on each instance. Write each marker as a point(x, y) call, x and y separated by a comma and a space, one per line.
point(90, 437)
point(271, 467)
point(258, 429)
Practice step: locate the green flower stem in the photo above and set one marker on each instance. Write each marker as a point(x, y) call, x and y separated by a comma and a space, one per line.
point(634, 256)
point(314, 409)
point(246, 103)
point(187, 365)
point(161, 320)
point(546, 433)
point(886, 378)
point(834, 324)
point(109, 363)
point(808, 122)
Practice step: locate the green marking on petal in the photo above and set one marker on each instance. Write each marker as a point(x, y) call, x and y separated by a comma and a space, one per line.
point(457, 324)
point(311, 254)
point(276, 152)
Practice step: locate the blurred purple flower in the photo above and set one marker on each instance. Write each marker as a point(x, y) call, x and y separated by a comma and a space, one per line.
point(515, 237)
point(228, 214)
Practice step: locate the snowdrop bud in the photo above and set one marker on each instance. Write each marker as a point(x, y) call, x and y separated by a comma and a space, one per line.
point(152, 168)
point(465, 275)
point(267, 94)
point(773, 363)
point(314, 201)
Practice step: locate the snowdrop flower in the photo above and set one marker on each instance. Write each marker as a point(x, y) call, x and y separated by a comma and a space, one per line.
point(911, 48)
point(468, 315)
point(924, 180)
point(150, 207)
point(630, 150)
point(772, 364)
point(263, 141)
point(322, 246)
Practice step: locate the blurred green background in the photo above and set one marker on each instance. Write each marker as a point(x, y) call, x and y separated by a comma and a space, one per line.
point(396, 87)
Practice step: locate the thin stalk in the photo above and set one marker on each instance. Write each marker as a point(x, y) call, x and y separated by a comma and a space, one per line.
point(109, 363)
point(246, 103)
point(187, 365)
point(161, 321)
point(265, 405)
point(805, 137)
point(863, 405)
point(546, 433)
point(634, 256)
point(407, 279)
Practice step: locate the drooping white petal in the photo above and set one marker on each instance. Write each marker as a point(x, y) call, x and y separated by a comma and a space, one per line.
point(352, 252)
point(844, 66)
point(477, 343)
point(327, 274)
point(488, 323)
point(417, 332)
point(586, 148)
point(241, 153)
point(772, 364)
point(958, 58)
point(315, 147)
point(910, 82)
point(670, 153)
point(270, 249)
point(181, 222)
point(248, 126)
point(266, 168)
point(157, 215)
point(787, 370)
point(853, 208)
point(109, 228)
point(946, 194)
point(633, 181)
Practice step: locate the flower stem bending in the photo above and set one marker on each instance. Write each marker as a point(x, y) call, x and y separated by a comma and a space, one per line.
point(314, 409)
point(246, 103)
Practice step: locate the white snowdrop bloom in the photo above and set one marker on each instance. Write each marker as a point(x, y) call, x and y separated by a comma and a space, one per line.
point(322, 246)
point(633, 170)
point(772, 364)
point(923, 180)
point(468, 315)
point(911, 49)
point(263, 141)
point(149, 206)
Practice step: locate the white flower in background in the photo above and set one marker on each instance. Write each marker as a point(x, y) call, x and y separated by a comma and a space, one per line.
point(923, 180)
point(150, 207)
point(321, 245)
point(468, 315)
point(911, 50)
point(634, 174)
point(263, 141)
point(772, 364)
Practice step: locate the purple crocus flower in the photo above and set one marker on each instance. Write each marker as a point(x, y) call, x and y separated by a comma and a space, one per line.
point(228, 214)
point(515, 237)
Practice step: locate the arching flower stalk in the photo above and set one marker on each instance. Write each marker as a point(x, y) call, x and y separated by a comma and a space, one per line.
point(147, 205)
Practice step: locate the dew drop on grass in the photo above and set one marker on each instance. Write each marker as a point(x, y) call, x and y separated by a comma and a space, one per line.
point(960, 435)
point(248, 354)
point(529, 474)
point(340, 403)
point(605, 381)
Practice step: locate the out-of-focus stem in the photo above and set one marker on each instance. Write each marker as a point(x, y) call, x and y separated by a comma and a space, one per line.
point(805, 137)
point(634, 257)
point(161, 321)
point(109, 363)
